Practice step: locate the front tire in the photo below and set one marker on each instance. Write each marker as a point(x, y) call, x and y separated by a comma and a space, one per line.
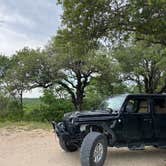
point(93, 150)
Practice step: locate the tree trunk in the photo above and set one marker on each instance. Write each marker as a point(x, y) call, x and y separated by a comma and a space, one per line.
point(79, 102)
point(77, 95)
point(21, 100)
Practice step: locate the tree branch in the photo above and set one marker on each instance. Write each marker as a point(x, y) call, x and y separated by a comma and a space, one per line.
point(70, 83)
point(68, 89)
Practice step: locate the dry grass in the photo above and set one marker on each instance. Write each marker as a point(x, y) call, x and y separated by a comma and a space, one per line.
point(24, 125)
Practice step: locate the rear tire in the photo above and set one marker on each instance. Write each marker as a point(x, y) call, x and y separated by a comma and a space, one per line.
point(93, 150)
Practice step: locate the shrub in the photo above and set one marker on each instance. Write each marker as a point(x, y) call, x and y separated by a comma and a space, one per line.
point(50, 109)
point(10, 109)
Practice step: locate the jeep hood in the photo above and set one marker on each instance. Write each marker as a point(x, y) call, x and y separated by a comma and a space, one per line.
point(84, 114)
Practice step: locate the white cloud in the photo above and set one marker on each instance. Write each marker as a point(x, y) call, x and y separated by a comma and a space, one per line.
point(10, 41)
point(23, 23)
point(13, 17)
point(10, 38)
point(27, 23)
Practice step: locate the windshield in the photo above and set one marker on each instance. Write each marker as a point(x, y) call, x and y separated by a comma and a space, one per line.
point(113, 103)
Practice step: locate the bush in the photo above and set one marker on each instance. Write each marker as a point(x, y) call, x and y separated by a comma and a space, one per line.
point(50, 109)
point(46, 109)
point(10, 109)
point(90, 104)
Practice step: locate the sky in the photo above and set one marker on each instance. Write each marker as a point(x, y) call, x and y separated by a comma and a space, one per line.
point(29, 23)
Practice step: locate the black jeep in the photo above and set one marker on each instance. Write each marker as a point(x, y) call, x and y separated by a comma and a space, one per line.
point(132, 121)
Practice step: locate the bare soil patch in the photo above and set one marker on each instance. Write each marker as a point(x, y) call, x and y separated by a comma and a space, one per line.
point(40, 147)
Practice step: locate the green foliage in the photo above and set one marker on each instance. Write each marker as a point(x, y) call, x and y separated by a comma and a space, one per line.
point(116, 19)
point(92, 99)
point(144, 65)
point(50, 109)
point(33, 68)
point(31, 103)
point(9, 109)
point(54, 109)
point(78, 65)
point(4, 65)
point(78, 60)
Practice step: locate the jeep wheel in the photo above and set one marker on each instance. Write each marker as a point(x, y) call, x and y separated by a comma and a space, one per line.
point(93, 149)
point(67, 147)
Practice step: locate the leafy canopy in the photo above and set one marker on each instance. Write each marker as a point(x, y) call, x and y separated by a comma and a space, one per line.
point(116, 19)
point(144, 65)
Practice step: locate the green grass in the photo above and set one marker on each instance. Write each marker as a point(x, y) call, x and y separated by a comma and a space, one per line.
point(31, 103)
point(25, 125)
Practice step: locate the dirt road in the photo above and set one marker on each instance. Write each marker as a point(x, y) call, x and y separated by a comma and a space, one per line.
point(40, 148)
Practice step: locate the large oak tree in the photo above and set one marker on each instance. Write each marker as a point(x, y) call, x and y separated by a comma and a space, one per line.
point(116, 19)
point(78, 61)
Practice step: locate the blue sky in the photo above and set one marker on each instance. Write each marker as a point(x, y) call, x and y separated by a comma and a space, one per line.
point(27, 23)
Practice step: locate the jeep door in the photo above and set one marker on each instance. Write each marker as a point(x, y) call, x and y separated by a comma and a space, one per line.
point(137, 119)
point(159, 109)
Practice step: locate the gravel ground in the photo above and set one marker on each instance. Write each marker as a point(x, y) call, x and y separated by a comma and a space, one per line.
point(40, 148)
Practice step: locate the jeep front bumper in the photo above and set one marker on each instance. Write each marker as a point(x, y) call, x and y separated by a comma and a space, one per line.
point(65, 136)
point(60, 131)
